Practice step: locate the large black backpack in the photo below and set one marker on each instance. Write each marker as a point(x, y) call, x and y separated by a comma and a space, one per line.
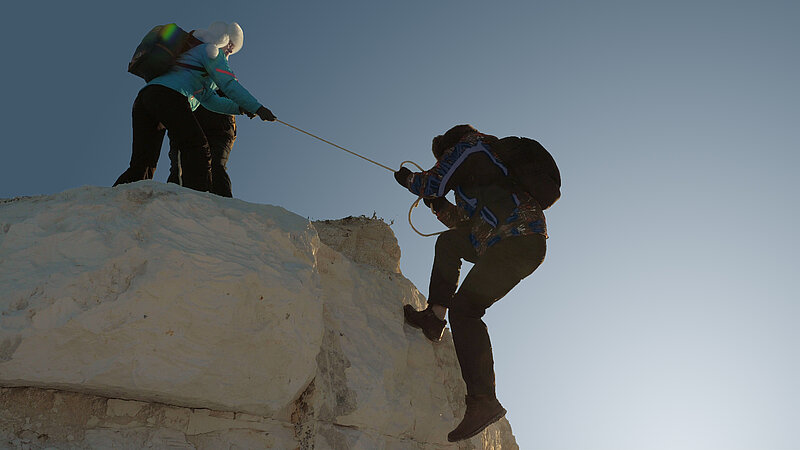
point(531, 166)
point(159, 49)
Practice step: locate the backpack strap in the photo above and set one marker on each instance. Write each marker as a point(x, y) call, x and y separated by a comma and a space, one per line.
point(191, 67)
point(191, 42)
point(509, 181)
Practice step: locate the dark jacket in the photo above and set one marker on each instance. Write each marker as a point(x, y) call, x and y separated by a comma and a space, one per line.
point(487, 199)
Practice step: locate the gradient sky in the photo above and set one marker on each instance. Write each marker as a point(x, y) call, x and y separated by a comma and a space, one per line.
point(664, 316)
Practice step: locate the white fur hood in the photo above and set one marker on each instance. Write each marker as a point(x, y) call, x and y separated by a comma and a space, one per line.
point(218, 35)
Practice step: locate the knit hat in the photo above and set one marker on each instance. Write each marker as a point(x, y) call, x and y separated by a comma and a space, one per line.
point(219, 34)
point(450, 138)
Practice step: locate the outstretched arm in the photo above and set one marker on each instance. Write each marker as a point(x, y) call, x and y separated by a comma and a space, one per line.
point(444, 176)
point(426, 184)
point(222, 105)
point(220, 73)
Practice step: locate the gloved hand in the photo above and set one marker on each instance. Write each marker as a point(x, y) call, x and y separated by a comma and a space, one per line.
point(265, 114)
point(246, 113)
point(402, 176)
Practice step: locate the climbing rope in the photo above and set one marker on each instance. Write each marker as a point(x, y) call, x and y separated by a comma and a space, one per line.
point(337, 146)
point(413, 205)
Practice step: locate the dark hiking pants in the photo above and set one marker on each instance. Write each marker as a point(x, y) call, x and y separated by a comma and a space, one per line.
point(220, 131)
point(494, 274)
point(156, 109)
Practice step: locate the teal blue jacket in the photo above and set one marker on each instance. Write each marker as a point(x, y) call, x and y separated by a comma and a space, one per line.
point(200, 86)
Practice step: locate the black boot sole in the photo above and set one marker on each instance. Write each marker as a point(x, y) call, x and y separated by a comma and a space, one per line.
point(490, 421)
point(424, 331)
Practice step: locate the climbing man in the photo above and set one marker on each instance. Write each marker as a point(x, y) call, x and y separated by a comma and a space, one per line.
point(497, 225)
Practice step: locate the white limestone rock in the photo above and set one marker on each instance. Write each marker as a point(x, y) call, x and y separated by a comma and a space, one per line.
point(146, 292)
point(151, 315)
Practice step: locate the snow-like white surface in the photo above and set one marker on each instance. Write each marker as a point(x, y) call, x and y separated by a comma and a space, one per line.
point(188, 318)
point(144, 293)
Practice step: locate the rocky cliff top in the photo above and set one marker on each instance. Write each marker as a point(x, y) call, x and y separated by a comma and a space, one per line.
point(148, 315)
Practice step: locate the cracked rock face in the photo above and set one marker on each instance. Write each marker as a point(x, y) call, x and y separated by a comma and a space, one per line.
point(149, 315)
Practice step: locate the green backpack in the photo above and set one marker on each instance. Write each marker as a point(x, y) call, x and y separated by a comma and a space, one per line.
point(159, 50)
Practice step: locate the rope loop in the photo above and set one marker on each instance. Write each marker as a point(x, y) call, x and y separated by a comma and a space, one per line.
point(415, 204)
point(412, 162)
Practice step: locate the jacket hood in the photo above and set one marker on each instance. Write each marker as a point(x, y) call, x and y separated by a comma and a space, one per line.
point(219, 34)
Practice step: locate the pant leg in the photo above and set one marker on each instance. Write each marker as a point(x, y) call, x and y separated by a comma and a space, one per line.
point(174, 112)
point(220, 130)
point(174, 163)
point(451, 247)
point(220, 152)
point(148, 135)
point(495, 273)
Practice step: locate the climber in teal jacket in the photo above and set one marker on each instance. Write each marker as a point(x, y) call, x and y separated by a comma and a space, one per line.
point(167, 102)
point(200, 86)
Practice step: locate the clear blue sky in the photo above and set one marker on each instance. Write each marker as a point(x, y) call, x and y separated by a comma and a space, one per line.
point(664, 315)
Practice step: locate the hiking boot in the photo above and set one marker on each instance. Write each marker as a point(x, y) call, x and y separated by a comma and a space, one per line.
point(432, 327)
point(482, 411)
